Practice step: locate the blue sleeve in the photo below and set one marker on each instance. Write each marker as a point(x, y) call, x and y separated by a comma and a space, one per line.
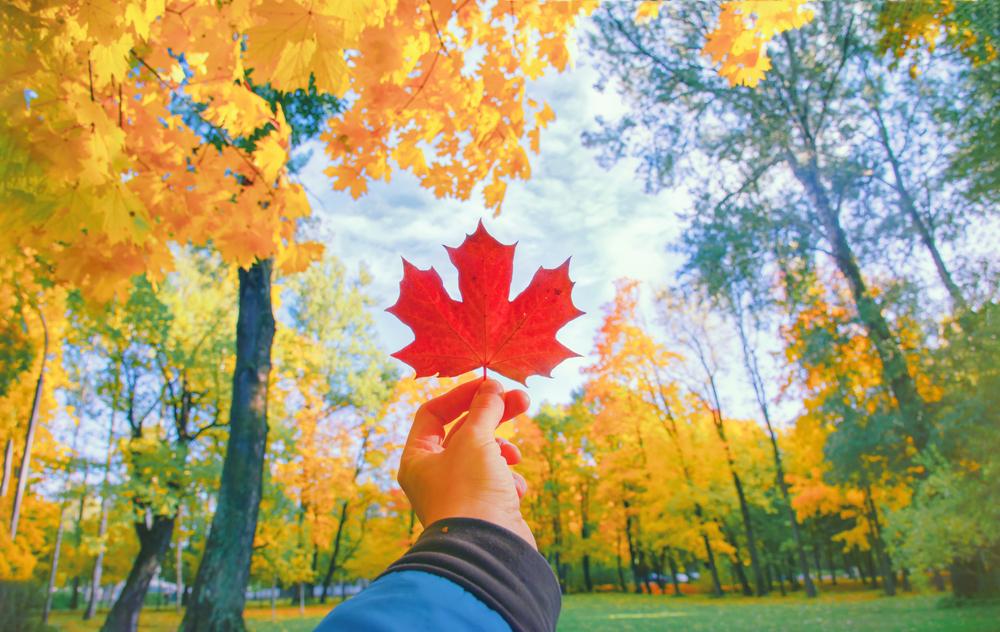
point(413, 600)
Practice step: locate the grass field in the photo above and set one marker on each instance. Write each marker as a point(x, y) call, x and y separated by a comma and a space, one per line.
point(641, 613)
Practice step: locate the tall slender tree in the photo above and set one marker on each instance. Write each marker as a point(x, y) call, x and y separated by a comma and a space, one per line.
point(784, 158)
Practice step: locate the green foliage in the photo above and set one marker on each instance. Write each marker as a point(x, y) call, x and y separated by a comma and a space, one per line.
point(954, 512)
point(21, 607)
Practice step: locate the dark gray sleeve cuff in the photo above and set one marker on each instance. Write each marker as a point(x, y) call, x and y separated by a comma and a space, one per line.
point(494, 564)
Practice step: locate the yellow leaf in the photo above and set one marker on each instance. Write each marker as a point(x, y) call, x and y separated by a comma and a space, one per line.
point(647, 11)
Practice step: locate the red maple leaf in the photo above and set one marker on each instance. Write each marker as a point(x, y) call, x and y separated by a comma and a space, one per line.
point(485, 329)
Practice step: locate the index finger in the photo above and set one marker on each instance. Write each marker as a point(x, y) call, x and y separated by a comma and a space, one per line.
point(435, 414)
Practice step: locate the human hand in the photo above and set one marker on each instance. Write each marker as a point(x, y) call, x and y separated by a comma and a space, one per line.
point(466, 473)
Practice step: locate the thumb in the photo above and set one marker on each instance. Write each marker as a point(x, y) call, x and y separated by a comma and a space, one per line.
point(485, 413)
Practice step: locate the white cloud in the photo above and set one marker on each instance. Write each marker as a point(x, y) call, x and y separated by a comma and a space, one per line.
point(571, 207)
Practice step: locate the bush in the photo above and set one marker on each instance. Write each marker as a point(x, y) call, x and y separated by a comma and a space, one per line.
point(21, 605)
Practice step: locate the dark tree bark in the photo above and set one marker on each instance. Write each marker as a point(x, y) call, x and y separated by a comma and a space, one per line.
point(737, 565)
point(860, 563)
point(669, 424)
point(585, 534)
point(904, 580)
point(618, 560)
point(218, 598)
point(965, 578)
point(713, 567)
point(872, 570)
point(335, 554)
point(937, 580)
point(8, 467)
point(830, 562)
point(895, 373)
point(793, 581)
point(816, 555)
point(673, 573)
point(884, 561)
point(757, 381)
point(632, 549)
point(781, 580)
point(713, 403)
point(660, 562)
point(153, 544)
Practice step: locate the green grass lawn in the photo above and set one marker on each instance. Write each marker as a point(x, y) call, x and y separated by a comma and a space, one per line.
point(641, 613)
point(840, 611)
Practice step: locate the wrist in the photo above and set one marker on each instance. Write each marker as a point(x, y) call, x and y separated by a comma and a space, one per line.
point(513, 522)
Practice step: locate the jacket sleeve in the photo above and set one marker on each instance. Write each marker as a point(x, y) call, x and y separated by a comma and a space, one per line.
point(461, 574)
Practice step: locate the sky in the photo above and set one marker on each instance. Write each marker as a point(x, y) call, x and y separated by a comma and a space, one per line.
point(571, 207)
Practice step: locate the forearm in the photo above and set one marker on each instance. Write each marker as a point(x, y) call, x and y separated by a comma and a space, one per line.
point(496, 567)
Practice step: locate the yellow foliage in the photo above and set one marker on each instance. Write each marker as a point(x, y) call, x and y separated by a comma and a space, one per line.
point(745, 27)
point(101, 176)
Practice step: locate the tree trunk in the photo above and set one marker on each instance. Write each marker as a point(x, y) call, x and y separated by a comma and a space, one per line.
point(335, 553)
point(872, 570)
point(831, 563)
point(740, 575)
point(632, 553)
point(793, 581)
point(937, 580)
point(274, 594)
point(669, 424)
point(737, 565)
point(904, 580)
point(660, 581)
point(715, 408)
point(816, 556)
point(757, 381)
point(217, 602)
point(964, 578)
point(95, 578)
point(63, 505)
point(885, 564)
point(673, 573)
point(760, 589)
point(8, 467)
point(102, 529)
point(716, 583)
point(55, 566)
point(910, 210)
point(153, 544)
point(618, 559)
point(862, 570)
point(78, 534)
point(29, 437)
point(895, 373)
point(179, 551)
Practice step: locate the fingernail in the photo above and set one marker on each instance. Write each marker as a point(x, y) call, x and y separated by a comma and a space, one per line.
point(489, 387)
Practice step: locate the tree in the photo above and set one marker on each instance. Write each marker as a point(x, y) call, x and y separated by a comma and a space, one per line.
point(690, 327)
point(629, 383)
point(779, 149)
point(328, 356)
point(152, 64)
point(946, 524)
point(189, 355)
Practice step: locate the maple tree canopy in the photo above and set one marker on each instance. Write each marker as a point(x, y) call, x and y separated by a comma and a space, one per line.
point(485, 329)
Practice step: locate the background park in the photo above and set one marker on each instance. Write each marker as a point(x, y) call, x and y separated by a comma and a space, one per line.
point(782, 218)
